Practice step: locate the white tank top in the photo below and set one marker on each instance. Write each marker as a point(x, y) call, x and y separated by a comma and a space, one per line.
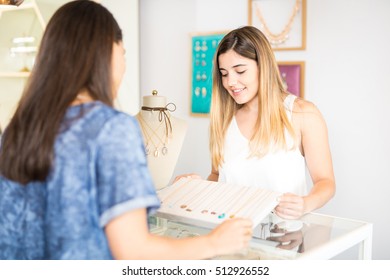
point(282, 171)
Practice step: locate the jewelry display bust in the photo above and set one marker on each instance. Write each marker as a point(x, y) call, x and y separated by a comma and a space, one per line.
point(163, 137)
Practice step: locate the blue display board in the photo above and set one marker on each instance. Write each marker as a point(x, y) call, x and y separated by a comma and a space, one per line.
point(203, 49)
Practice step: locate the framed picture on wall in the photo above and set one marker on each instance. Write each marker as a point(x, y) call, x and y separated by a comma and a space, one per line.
point(293, 74)
point(283, 22)
point(203, 48)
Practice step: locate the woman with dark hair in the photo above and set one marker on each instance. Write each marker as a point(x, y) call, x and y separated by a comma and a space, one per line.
point(74, 182)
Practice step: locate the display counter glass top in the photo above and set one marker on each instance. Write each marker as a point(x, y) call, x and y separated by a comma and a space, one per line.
point(314, 236)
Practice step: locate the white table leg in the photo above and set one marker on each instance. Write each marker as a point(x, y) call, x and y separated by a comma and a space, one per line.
point(365, 248)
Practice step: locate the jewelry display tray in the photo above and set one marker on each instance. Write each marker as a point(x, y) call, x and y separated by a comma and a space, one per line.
point(206, 204)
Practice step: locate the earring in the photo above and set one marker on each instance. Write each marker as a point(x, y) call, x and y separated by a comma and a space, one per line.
point(197, 91)
point(204, 92)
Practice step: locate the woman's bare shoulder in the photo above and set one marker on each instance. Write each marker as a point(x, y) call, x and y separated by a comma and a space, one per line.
point(306, 115)
point(305, 106)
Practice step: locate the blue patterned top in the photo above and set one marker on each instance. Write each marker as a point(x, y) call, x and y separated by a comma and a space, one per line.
point(99, 172)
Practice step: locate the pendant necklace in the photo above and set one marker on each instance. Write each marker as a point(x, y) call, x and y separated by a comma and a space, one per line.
point(278, 38)
point(150, 133)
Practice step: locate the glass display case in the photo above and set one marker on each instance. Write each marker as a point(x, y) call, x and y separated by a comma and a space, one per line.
point(315, 236)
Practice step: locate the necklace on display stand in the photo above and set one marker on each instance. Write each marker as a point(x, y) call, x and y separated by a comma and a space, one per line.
point(278, 38)
point(151, 133)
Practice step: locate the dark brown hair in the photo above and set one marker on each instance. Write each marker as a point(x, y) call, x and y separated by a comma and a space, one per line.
point(75, 54)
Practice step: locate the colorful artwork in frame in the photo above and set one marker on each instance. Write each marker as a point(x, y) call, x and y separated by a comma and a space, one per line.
point(203, 47)
point(292, 74)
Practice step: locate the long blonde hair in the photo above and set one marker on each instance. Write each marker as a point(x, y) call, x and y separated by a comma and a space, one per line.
point(272, 120)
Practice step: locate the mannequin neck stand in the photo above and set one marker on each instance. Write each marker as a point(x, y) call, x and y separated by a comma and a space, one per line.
point(163, 137)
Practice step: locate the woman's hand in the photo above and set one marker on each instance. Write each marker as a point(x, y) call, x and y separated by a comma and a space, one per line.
point(290, 206)
point(287, 240)
point(231, 236)
point(189, 175)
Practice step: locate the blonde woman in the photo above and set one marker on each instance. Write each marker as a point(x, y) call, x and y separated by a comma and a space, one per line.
point(260, 134)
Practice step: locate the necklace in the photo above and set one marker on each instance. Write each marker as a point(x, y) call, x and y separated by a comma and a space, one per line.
point(199, 198)
point(240, 201)
point(262, 199)
point(212, 199)
point(259, 196)
point(194, 200)
point(153, 133)
point(150, 134)
point(167, 195)
point(214, 202)
point(229, 196)
point(278, 38)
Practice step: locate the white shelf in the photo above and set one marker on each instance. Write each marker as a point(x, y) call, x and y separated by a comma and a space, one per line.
point(14, 74)
point(24, 6)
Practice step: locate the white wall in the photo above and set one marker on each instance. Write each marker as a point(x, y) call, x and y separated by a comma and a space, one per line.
point(126, 13)
point(347, 71)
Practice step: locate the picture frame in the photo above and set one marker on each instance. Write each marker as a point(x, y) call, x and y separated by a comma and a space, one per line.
point(203, 48)
point(283, 22)
point(293, 75)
